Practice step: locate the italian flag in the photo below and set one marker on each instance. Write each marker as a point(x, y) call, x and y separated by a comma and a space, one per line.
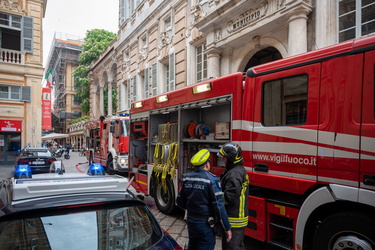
point(48, 77)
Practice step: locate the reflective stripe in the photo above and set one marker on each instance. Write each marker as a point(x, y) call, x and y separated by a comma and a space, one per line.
point(196, 179)
point(218, 193)
point(241, 212)
point(238, 222)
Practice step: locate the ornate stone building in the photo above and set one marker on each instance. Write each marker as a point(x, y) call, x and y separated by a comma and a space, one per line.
point(21, 74)
point(164, 45)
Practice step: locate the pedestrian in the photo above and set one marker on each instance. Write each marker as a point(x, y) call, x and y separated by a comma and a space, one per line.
point(235, 186)
point(202, 197)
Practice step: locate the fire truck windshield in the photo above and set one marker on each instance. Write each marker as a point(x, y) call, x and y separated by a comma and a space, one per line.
point(124, 127)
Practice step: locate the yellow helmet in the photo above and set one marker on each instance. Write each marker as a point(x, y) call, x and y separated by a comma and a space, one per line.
point(200, 158)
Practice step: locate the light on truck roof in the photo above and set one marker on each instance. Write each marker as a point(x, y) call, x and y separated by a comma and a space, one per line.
point(137, 105)
point(202, 88)
point(162, 98)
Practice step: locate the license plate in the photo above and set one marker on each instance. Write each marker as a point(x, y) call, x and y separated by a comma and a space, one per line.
point(38, 162)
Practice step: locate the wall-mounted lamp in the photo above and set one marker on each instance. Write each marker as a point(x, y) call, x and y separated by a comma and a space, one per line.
point(202, 88)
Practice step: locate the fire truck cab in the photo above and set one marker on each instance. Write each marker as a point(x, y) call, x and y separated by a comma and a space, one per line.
point(306, 125)
point(108, 143)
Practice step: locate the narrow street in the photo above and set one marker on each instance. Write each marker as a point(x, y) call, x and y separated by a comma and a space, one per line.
point(174, 223)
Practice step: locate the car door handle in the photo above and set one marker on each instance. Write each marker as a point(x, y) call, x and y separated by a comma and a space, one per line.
point(261, 167)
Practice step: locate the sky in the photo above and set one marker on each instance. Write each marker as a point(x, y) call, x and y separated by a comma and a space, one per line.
point(75, 17)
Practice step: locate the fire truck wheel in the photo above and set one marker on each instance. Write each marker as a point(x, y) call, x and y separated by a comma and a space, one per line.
point(110, 166)
point(347, 230)
point(165, 199)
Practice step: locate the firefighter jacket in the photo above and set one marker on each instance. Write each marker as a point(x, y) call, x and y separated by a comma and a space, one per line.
point(235, 182)
point(202, 197)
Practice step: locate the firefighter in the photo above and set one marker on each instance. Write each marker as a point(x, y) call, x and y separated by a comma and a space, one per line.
point(235, 183)
point(202, 197)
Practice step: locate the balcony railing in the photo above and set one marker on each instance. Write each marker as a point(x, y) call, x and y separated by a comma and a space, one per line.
point(12, 56)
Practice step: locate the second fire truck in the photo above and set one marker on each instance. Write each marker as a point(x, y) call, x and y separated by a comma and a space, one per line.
point(306, 125)
point(108, 143)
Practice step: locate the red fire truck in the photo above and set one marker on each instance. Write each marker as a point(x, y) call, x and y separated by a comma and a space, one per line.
point(108, 143)
point(306, 125)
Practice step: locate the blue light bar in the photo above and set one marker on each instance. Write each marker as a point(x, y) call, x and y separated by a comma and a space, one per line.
point(22, 172)
point(96, 169)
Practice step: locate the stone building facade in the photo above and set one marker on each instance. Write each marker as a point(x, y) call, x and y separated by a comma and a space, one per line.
point(21, 75)
point(166, 45)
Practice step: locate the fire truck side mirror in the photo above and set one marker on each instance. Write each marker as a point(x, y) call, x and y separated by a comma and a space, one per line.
point(112, 128)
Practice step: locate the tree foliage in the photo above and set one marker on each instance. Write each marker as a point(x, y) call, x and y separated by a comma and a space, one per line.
point(96, 41)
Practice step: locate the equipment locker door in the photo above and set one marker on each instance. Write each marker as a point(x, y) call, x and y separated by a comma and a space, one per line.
point(284, 134)
point(367, 157)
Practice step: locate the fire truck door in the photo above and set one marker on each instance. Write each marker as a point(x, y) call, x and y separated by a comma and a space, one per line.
point(367, 157)
point(340, 120)
point(285, 126)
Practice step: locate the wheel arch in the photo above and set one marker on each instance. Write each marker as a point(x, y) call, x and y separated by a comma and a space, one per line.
point(324, 202)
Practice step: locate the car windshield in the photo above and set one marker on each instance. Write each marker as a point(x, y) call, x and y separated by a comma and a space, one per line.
point(114, 228)
point(36, 153)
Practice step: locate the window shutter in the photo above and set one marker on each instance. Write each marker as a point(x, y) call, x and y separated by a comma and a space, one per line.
point(122, 11)
point(146, 83)
point(27, 34)
point(119, 91)
point(154, 79)
point(134, 88)
point(26, 93)
point(172, 71)
point(128, 92)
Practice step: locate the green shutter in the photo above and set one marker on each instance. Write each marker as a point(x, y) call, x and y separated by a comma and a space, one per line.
point(27, 34)
point(26, 93)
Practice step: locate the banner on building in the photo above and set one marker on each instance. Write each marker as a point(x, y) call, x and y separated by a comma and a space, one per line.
point(46, 109)
point(46, 102)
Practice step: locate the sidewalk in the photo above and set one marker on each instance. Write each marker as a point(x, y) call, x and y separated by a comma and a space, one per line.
point(175, 225)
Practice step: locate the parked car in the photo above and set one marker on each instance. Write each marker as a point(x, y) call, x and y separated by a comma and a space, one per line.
point(39, 159)
point(76, 211)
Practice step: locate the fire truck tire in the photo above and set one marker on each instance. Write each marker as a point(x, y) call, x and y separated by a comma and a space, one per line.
point(347, 230)
point(165, 200)
point(110, 166)
point(91, 159)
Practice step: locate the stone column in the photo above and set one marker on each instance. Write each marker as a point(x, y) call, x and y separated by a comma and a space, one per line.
point(101, 102)
point(110, 98)
point(213, 63)
point(297, 37)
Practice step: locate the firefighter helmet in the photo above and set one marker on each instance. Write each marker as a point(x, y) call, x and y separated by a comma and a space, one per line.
point(200, 158)
point(232, 151)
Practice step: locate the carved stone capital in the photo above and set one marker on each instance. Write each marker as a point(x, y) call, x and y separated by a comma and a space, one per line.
point(15, 6)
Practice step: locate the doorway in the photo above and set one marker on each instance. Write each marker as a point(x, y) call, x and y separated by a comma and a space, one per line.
point(10, 147)
point(266, 55)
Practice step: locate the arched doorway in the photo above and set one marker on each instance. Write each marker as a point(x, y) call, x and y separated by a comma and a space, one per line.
point(266, 55)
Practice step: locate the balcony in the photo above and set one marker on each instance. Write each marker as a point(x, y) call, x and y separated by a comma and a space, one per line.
point(12, 56)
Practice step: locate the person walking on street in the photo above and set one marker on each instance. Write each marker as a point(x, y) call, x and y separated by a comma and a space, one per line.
point(202, 197)
point(235, 186)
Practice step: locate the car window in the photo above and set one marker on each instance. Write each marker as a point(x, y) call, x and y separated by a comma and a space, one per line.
point(36, 153)
point(115, 228)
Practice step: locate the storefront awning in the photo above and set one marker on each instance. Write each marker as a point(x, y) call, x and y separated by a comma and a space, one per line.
point(54, 136)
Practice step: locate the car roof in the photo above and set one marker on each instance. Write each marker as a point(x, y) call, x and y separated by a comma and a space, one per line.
point(36, 149)
point(53, 190)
